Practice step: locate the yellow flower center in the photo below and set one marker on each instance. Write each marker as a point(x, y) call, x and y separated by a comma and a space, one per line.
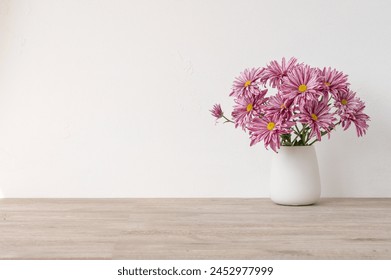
point(344, 102)
point(247, 83)
point(282, 106)
point(314, 117)
point(327, 84)
point(271, 125)
point(302, 88)
point(249, 107)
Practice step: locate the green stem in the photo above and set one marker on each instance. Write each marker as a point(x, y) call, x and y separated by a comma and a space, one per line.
point(324, 133)
point(303, 134)
point(294, 140)
point(312, 142)
point(227, 120)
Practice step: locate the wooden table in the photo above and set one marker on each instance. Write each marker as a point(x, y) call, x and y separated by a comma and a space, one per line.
point(194, 229)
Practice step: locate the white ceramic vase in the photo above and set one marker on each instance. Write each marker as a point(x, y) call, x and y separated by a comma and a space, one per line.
point(295, 176)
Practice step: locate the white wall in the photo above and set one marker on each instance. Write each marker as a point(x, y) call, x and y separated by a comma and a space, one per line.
point(111, 98)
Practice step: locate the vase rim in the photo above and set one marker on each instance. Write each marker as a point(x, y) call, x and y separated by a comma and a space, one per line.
point(301, 146)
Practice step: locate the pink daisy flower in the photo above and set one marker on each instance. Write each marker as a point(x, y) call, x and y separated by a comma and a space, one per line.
point(247, 108)
point(279, 106)
point(317, 115)
point(269, 129)
point(216, 111)
point(275, 72)
point(357, 117)
point(302, 84)
point(346, 101)
point(333, 80)
point(247, 84)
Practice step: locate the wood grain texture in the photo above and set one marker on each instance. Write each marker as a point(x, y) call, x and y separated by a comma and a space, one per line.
point(194, 229)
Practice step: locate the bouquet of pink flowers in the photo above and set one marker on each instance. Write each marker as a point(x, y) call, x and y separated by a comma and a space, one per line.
point(308, 103)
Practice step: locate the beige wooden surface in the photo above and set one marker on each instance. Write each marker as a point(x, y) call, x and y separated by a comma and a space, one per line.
point(194, 229)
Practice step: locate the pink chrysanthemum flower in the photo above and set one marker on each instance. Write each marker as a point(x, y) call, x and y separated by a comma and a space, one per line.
point(246, 108)
point(357, 117)
point(317, 115)
point(346, 101)
point(302, 84)
point(332, 80)
point(247, 84)
point(216, 111)
point(275, 72)
point(268, 129)
point(279, 106)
